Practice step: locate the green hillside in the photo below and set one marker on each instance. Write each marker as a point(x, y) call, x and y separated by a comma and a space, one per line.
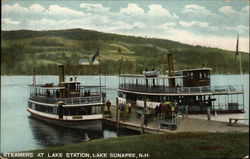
point(22, 49)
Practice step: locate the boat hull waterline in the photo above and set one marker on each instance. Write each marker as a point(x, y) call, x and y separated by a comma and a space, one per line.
point(84, 124)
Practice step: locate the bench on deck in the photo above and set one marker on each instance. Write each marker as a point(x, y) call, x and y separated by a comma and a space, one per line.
point(235, 120)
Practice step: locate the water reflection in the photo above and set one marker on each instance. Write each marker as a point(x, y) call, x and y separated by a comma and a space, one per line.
point(49, 135)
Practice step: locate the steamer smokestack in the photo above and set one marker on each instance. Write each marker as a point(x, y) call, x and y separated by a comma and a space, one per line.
point(61, 74)
point(171, 81)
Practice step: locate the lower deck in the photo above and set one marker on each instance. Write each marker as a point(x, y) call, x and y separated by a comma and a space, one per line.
point(220, 103)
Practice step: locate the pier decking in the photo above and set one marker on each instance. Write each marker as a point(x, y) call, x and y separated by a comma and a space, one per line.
point(131, 121)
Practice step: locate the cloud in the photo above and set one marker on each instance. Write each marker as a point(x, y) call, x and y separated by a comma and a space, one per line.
point(245, 9)
point(93, 7)
point(45, 23)
point(36, 8)
point(192, 23)
point(228, 10)
point(196, 9)
point(139, 25)
point(166, 25)
point(186, 24)
point(63, 11)
point(158, 10)
point(10, 21)
point(132, 9)
point(238, 28)
point(155, 11)
point(15, 8)
point(227, 43)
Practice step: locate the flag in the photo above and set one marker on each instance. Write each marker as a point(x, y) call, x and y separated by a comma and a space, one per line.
point(237, 47)
point(96, 54)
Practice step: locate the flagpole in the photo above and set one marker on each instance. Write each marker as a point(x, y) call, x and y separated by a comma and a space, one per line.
point(241, 69)
point(240, 60)
point(99, 59)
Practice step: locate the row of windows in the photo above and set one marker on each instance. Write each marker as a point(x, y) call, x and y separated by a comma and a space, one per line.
point(43, 108)
point(178, 99)
point(77, 111)
point(197, 75)
point(66, 111)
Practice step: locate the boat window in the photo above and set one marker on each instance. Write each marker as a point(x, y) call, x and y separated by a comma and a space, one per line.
point(196, 75)
point(200, 73)
point(43, 108)
point(72, 86)
point(191, 75)
point(77, 111)
point(206, 75)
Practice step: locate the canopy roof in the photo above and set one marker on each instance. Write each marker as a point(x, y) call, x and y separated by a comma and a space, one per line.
point(143, 77)
point(197, 69)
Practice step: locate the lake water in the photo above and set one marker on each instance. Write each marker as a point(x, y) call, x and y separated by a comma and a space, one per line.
point(19, 132)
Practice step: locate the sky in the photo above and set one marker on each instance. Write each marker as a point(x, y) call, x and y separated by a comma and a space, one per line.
point(210, 23)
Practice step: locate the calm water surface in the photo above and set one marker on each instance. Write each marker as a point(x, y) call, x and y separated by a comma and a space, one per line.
point(20, 132)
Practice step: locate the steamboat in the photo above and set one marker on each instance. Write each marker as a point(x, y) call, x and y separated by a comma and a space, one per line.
point(67, 104)
point(190, 90)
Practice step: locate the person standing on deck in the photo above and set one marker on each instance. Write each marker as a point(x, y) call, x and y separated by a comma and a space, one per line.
point(57, 93)
point(129, 107)
point(47, 93)
point(108, 104)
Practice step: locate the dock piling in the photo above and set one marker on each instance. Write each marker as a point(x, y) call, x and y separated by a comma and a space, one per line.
point(208, 113)
point(117, 113)
point(142, 123)
point(186, 111)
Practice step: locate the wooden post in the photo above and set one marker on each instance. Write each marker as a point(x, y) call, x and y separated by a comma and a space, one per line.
point(186, 110)
point(118, 118)
point(117, 113)
point(142, 123)
point(208, 113)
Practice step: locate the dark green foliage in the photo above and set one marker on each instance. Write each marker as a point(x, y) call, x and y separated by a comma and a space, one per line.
point(23, 49)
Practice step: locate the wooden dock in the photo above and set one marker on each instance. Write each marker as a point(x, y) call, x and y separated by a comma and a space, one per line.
point(131, 121)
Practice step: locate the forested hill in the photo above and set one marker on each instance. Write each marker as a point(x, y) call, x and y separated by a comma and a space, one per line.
point(23, 49)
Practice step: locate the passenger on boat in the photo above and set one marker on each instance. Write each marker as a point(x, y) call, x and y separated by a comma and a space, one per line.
point(88, 93)
point(129, 107)
point(85, 93)
point(108, 104)
point(122, 109)
point(57, 93)
point(157, 110)
point(47, 93)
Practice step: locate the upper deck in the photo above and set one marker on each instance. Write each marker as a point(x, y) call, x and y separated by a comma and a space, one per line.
point(70, 95)
point(183, 82)
point(164, 90)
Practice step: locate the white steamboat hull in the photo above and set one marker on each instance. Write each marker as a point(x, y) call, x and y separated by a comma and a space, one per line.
point(86, 124)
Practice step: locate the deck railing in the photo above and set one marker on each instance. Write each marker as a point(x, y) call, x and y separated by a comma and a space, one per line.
point(75, 100)
point(182, 90)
